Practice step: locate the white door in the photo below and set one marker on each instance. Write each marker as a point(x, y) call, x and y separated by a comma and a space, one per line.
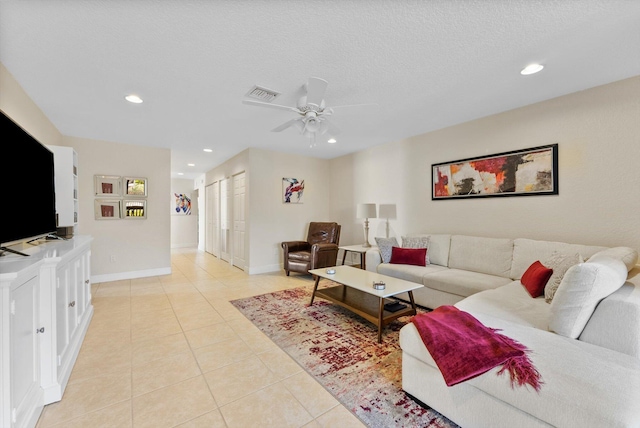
point(239, 220)
point(216, 220)
point(209, 229)
point(225, 219)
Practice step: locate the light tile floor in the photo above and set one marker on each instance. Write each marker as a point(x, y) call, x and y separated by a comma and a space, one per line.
point(171, 351)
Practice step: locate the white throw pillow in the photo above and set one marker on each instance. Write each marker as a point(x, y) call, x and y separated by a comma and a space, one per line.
point(384, 246)
point(582, 288)
point(560, 263)
point(417, 242)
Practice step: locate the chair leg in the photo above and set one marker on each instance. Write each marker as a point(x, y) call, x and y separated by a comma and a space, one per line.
point(287, 273)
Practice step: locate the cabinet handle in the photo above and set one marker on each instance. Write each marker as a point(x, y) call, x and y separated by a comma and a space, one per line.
point(40, 330)
point(72, 304)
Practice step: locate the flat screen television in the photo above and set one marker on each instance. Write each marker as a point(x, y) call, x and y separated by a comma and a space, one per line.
point(28, 186)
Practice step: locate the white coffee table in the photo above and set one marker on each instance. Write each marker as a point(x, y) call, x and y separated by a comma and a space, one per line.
point(355, 292)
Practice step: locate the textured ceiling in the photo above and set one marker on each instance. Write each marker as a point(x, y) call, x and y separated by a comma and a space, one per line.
point(425, 64)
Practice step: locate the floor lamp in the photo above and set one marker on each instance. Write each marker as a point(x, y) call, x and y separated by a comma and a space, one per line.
point(366, 211)
point(387, 211)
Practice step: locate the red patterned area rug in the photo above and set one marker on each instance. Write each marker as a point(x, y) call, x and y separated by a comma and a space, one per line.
point(340, 349)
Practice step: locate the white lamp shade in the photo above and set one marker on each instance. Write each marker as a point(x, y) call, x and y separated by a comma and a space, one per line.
point(387, 211)
point(366, 211)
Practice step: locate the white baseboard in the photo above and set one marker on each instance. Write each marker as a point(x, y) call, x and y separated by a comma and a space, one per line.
point(190, 245)
point(130, 275)
point(264, 269)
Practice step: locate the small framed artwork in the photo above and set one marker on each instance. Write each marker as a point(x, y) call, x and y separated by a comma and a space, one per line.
point(136, 210)
point(106, 185)
point(182, 204)
point(292, 190)
point(134, 186)
point(107, 209)
point(525, 172)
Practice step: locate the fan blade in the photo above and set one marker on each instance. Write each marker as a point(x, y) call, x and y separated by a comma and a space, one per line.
point(285, 125)
point(316, 88)
point(275, 106)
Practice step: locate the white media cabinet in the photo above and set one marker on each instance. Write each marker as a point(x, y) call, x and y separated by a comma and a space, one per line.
point(45, 310)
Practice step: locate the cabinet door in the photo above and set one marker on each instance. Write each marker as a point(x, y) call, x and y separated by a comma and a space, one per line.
point(25, 349)
point(62, 314)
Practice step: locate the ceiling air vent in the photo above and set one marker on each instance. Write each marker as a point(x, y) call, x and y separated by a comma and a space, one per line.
point(262, 94)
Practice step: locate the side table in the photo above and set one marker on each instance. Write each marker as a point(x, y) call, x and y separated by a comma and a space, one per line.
point(356, 249)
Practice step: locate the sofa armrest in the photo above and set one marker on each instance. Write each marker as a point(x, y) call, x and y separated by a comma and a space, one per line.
point(615, 323)
point(291, 246)
point(323, 255)
point(373, 259)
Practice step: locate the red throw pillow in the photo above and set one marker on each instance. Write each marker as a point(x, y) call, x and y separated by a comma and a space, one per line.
point(535, 278)
point(408, 256)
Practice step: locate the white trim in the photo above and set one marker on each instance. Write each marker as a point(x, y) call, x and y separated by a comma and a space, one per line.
point(265, 269)
point(189, 245)
point(130, 275)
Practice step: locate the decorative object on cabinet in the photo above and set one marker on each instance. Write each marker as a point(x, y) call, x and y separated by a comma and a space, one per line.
point(135, 209)
point(526, 172)
point(107, 185)
point(182, 204)
point(134, 186)
point(292, 190)
point(366, 211)
point(107, 209)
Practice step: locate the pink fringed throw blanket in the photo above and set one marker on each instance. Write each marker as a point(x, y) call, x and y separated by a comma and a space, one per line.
point(464, 348)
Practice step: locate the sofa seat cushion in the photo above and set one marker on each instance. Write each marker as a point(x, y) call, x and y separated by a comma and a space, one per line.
point(462, 282)
point(302, 256)
point(408, 272)
point(584, 385)
point(510, 302)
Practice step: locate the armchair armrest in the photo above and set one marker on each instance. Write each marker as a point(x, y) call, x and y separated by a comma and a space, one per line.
point(324, 247)
point(291, 246)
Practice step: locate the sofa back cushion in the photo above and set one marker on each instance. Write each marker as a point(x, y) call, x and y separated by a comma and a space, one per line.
point(438, 250)
point(527, 251)
point(627, 255)
point(485, 255)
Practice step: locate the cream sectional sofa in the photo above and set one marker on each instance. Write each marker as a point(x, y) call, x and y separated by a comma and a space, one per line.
point(591, 381)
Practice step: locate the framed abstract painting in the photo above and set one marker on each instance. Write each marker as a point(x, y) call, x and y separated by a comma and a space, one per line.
point(292, 190)
point(526, 172)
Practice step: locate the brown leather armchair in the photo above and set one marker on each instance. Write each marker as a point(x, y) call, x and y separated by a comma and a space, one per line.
point(318, 251)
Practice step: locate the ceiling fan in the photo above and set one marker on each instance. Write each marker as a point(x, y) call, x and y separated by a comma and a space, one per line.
point(313, 114)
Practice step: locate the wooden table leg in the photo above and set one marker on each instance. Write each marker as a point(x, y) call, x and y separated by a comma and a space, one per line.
point(413, 303)
point(315, 287)
point(344, 256)
point(380, 315)
point(363, 262)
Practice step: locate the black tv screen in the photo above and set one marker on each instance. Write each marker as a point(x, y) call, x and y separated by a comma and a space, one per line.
point(28, 185)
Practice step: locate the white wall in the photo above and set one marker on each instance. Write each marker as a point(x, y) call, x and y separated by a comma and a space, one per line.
point(140, 247)
point(598, 135)
point(270, 220)
point(184, 228)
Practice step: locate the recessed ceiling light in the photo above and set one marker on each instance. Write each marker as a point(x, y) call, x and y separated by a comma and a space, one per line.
point(531, 69)
point(191, 164)
point(332, 141)
point(207, 150)
point(181, 173)
point(133, 99)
